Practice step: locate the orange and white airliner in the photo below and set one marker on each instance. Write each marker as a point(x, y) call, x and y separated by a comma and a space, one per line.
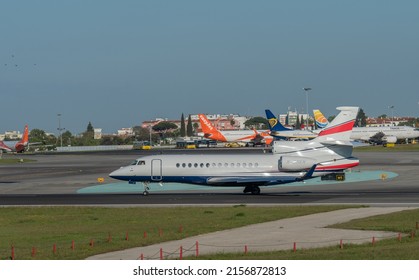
point(16, 146)
point(246, 136)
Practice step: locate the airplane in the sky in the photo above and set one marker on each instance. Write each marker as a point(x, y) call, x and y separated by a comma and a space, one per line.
point(290, 161)
point(280, 132)
point(16, 146)
point(390, 134)
point(246, 136)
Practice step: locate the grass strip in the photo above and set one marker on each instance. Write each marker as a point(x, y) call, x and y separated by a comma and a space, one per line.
point(51, 232)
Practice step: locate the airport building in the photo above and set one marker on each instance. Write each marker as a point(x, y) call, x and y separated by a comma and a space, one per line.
point(389, 121)
point(222, 122)
point(11, 135)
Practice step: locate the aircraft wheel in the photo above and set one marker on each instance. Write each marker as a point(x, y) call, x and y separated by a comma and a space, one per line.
point(255, 190)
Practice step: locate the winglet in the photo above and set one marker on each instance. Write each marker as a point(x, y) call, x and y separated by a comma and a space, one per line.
point(309, 173)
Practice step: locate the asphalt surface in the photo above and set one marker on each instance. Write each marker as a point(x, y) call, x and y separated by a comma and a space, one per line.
point(55, 179)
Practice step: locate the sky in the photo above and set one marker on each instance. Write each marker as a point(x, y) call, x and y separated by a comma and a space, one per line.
point(119, 63)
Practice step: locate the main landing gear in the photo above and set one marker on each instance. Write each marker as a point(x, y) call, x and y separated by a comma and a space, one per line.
point(252, 189)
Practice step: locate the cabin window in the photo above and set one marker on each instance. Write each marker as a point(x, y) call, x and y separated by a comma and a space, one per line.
point(207, 165)
point(189, 165)
point(226, 164)
point(141, 162)
point(177, 165)
point(183, 165)
point(202, 165)
point(238, 164)
point(213, 164)
point(195, 165)
point(256, 164)
point(220, 164)
point(134, 162)
point(232, 164)
point(244, 164)
point(250, 165)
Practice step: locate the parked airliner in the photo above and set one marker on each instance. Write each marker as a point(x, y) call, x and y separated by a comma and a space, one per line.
point(280, 132)
point(211, 132)
point(16, 146)
point(391, 133)
point(290, 161)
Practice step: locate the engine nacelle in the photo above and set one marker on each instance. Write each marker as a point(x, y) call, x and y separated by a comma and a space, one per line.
point(389, 139)
point(289, 163)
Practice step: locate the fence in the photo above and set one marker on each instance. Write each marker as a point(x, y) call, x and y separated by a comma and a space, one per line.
point(68, 250)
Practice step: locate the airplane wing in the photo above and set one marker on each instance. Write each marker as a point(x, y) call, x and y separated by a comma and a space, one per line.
point(4, 147)
point(260, 180)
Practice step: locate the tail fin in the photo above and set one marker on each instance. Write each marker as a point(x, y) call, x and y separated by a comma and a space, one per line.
point(206, 125)
point(209, 130)
point(321, 121)
point(340, 128)
point(274, 124)
point(23, 143)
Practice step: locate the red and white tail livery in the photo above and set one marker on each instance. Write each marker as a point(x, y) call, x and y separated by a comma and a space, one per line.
point(19, 146)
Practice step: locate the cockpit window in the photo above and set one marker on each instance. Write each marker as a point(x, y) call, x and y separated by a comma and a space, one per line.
point(138, 162)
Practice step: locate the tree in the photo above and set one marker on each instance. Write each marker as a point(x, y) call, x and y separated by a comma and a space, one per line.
point(90, 132)
point(331, 118)
point(39, 136)
point(67, 137)
point(361, 119)
point(195, 127)
point(302, 122)
point(189, 130)
point(163, 126)
point(90, 128)
point(298, 124)
point(257, 122)
point(182, 126)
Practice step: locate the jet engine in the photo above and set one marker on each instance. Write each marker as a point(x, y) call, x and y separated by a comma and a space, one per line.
point(290, 163)
point(389, 139)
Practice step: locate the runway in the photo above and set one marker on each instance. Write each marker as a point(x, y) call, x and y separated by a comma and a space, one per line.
point(59, 179)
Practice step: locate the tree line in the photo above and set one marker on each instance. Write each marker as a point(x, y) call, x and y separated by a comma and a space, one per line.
point(158, 133)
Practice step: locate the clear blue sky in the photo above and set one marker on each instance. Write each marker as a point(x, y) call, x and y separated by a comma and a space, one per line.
point(118, 63)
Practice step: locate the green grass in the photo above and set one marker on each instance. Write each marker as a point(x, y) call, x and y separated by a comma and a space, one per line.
point(396, 148)
point(41, 228)
point(390, 249)
point(24, 228)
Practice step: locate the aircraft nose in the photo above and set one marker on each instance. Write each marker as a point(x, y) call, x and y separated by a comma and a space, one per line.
point(116, 174)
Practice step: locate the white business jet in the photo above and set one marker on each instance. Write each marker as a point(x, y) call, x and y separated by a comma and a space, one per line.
point(290, 161)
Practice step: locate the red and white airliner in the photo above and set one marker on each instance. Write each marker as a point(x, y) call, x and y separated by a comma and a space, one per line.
point(16, 146)
point(246, 136)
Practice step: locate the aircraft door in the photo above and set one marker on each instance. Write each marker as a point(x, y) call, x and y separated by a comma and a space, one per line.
point(156, 170)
